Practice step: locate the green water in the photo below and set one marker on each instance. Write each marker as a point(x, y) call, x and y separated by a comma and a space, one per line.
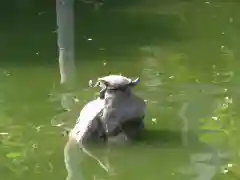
point(186, 53)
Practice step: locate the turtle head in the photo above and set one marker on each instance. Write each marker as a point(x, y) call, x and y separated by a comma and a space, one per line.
point(115, 83)
point(101, 83)
point(104, 84)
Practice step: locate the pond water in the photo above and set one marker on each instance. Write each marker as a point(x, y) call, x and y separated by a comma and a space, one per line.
point(186, 53)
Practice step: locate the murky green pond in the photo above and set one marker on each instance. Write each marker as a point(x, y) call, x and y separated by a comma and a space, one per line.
point(187, 55)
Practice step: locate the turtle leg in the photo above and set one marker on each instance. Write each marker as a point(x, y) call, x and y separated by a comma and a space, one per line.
point(127, 131)
point(133, 128)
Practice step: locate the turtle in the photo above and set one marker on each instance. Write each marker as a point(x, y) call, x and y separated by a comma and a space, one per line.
point(115, 82)
point(93, 121)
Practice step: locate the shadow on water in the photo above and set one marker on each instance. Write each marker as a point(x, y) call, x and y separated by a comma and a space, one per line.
point(161, 138)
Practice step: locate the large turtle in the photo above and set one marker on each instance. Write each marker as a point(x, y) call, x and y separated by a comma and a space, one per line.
point(88, 125)
point(128, 111)
point(115, 82)
point(122, 108)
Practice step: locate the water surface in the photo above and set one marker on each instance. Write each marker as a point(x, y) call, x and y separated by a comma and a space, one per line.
point(186, 53)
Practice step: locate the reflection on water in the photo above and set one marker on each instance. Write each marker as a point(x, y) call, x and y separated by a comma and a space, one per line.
point(204, 166)
point(72, 160)
point(186, 55)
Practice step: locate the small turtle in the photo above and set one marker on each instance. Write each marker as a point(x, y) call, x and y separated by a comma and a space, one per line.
point(115, 82)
